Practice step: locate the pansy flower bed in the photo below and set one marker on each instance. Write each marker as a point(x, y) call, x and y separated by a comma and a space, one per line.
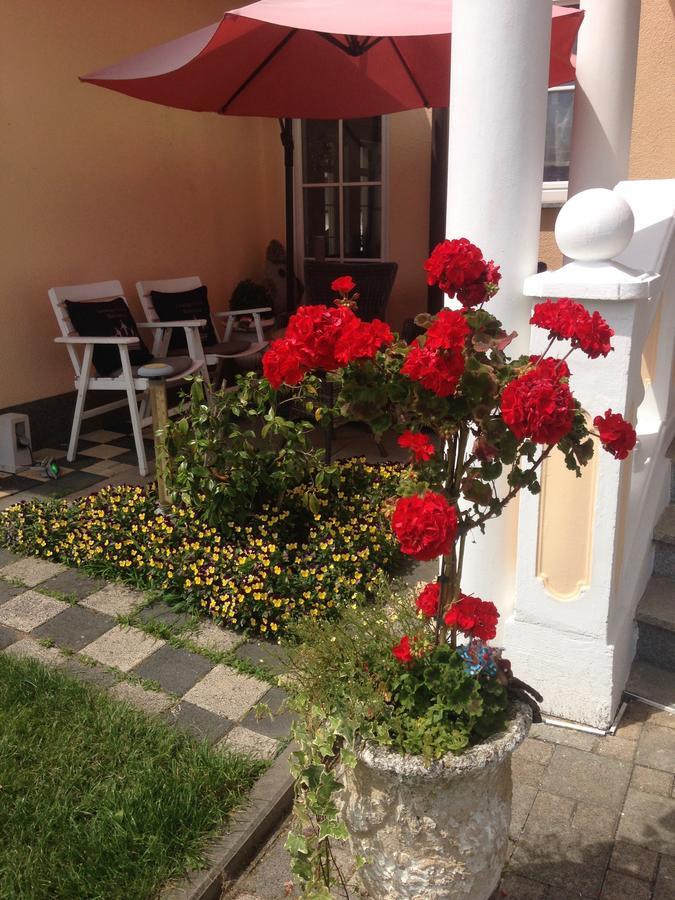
point(257, 576)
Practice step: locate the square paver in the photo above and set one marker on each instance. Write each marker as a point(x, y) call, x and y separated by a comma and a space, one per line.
point(227, 693)
point(598, 822)
point(618, 886)
point(526, 771)
point(29, 648)
point(517, 888)
point(634, 860)
point(32, 571)
point(109, 468)
point(279, 724)
point(269, 656)
point(162, 613)
point(6, 556)
point(8, 636)
point(567, 737)
point(616, 747)
point(151, 702)
point(649, 821)
point(7, 590)
point(242, 740)
point(211, 636)
point(521, 804)
point(176, 670)
point(587, 777)
point(656, 748)
point(66, 485)
point(652, 781)
point(114, 600)
point(101, 436)
point(537, 751)
point(102, 451)
point(96, 675)
point(29, 610)
point(75, 627)
point(198, 722)
point(122, 647)
point(72, 583)
point(664, 889)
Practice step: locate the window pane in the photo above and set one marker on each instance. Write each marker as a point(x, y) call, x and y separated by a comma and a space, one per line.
point(319, 151)
point(362, 140)
point(558, 135)
point(322, 219)
point(363, 218)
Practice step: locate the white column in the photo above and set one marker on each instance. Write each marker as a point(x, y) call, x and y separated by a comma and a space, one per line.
point(603, 101)
point(498, 87)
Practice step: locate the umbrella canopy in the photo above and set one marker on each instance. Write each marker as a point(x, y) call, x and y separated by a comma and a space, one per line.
point(314, 59)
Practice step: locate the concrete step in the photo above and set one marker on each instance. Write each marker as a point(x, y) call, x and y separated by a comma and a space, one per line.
point(664, 543)
point(652, 684)
point(656, 623)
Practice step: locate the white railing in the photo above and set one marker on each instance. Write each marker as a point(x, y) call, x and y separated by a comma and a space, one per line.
point(584, 545)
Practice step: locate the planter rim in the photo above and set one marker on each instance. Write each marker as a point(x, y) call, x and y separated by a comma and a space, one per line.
point(488, 754)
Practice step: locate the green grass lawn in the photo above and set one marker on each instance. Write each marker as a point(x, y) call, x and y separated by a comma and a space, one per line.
point(96, 800)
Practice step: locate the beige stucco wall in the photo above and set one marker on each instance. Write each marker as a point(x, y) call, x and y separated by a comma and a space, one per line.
point(95, 185)
point(652, 152)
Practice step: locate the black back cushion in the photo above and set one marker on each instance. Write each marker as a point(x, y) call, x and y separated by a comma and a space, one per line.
point(107, 318)
point(182, 305)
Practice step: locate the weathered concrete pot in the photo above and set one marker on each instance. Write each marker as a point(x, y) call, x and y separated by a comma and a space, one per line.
point(433, 832)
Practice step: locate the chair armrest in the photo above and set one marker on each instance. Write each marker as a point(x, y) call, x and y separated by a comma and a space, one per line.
point(182, 323)
point(77, 339)
point(243, 312)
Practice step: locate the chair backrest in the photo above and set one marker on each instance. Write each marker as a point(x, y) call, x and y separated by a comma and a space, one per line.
point(167, 286)
point(374, 282)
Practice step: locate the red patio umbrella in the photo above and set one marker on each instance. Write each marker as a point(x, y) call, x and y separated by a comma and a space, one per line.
point(313, 59)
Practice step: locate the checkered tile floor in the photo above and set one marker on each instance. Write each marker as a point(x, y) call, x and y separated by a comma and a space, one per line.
point(102, 455)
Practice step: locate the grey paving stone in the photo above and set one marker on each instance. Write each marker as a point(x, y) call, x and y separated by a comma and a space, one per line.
point(538, 751)
point(634, 860)
point(587, 777)
point(151, 702)
point(243, 740)
point(176, 670)
point(31, 571)
point(198, 722)
point(260, 653)
point(7, 591)
point(212, 636)
point(656, 748)
point(567, 737)
point(7, 557)
point(632, 722)
point(29, 648)
point(96, 675)
point(616, 747)
point(664, 889)
point(74, 628)
point(550, 811)
point(29, 610)
point(276, 726)
point(122, 647)
point(515, 887)
point(73, 583)
point(226, 692)
point(527, 771)
point(114, 600)
point(162, 613)
point(652, 781)
point(8, 636)
point(523, 798)
point(618, 886)
point(597, 822)
point(649, 821)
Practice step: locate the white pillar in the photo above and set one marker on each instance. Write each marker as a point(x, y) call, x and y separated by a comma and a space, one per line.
point(605, 92)
point(498, 89)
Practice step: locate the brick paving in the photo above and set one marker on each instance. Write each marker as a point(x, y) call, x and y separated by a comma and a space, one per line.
point(65, 619)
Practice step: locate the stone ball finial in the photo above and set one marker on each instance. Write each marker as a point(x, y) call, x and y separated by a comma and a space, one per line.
point(594, 226)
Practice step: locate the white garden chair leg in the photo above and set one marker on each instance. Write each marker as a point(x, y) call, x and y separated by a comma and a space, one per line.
point(145, 403)
point(136, 423)
point(82, 388)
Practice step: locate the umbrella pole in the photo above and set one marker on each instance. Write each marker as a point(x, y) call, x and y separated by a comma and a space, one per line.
point(287, 142)
point(438, 193)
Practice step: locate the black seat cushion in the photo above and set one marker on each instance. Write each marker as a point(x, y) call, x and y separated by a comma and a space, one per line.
point(107, 318)
point(179, 306)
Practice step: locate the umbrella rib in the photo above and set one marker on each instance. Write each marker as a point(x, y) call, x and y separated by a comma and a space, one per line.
point(258, 69)
point(409, 71)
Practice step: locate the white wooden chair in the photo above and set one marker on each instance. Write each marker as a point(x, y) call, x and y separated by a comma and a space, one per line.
point(217, 353)
point(126, 379)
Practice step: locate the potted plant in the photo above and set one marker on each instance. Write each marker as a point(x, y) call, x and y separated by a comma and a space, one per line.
point(409, 716)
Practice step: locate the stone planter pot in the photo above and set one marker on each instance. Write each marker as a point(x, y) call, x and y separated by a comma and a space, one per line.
point(433, 831)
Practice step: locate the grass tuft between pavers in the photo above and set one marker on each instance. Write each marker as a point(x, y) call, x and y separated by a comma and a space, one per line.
point(98, 801)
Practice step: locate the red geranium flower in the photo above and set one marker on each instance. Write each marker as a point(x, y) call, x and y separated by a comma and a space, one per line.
point(427, 602)
point(419, 445)
point(566, 319)
point(425, 526)
point(343, 285)
point(285, 362)
point(458, 268)
point(473, 617)
point(617, 435)
point(402, 650)
point(448, 331)
point(557, 368)
point(538, 405)
point(362, 340)
point(316, 329)
point(594, 336)
point(435, 370)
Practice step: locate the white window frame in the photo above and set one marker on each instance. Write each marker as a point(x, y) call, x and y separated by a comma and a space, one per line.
point(299, 185)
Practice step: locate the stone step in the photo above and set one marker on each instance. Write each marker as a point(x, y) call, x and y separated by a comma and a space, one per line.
point(656, 623)
point(652, 684)
point(664, 543)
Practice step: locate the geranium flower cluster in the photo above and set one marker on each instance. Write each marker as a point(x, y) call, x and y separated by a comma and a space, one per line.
point(438, 363)
point(475, 618)
point(459, 270)
point(565, 319)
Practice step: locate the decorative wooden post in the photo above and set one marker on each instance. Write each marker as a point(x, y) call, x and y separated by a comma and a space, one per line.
point(157, 373)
